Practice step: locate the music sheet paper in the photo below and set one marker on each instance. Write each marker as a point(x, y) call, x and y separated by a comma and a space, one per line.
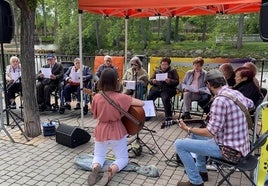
point(161, 76)
point(75, 77)
point(149, 108)
point(15, 76)
point(130, 85)
point(47, 72)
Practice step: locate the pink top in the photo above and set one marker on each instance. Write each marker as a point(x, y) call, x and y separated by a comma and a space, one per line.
point(110, 126)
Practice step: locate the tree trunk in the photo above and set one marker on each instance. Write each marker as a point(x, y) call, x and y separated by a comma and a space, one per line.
point(143, 33)
point(31, 113)
point(204, 30)
point(97, 34)
point(168, 37)
point(44, 30)
point(176, 30)
point(240, 32)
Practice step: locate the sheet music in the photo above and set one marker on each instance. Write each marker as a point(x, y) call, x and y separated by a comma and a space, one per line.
point(161, 76)
point(47, 72)
point(75, 77)
point(149, 108)
point(130, 85)
point(15, 75)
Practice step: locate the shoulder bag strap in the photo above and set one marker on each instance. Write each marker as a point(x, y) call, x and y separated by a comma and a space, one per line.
point(242, 107)
point(117, 106)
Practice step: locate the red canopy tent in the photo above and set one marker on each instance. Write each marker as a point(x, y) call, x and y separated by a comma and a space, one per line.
point(140, 8)
point(148, 8)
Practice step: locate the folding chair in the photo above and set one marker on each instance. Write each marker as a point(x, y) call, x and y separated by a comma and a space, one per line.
point(247, 163)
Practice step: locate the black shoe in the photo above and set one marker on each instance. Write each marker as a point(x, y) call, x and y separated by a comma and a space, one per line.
point(77, 106)
point(67, 106)
point(186, 115)
point(204, 176)
point(12, 106)
point(48, 108)
point(148, 118)
point(167, 123)
point(85, 109)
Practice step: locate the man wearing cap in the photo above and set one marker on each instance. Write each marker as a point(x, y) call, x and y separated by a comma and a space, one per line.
point(46, 85)
point(226, 128)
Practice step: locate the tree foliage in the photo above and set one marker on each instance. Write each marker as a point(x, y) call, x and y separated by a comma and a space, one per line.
point(109, 32)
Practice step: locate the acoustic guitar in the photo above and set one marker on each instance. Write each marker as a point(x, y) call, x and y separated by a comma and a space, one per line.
point(88, 91)
point(137, 113)
point(132, 127)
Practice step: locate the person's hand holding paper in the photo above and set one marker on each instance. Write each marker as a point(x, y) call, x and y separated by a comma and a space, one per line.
point(161, 76)
point(47, 72)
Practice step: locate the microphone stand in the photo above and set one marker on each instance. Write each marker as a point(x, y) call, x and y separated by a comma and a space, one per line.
point(138, 140)
point(8, 111)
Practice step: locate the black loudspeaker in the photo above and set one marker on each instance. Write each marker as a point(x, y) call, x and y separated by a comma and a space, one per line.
point(6, 22)
point(263, 20)
point(71, 136)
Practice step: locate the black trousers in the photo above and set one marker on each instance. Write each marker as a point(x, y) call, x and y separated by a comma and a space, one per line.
point(43, 93)
point(12, 90)
point(166, 96)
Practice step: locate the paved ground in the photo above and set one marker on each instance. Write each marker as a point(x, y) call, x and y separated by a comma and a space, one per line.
point(42, 161)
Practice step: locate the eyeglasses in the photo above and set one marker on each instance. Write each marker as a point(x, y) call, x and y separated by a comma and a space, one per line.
point(132, 64)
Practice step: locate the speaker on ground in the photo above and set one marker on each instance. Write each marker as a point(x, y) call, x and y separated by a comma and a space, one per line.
point(6, 22)
point(71, 136)
point(263, 20)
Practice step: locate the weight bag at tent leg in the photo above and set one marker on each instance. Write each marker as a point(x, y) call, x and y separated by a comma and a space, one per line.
point(71, 136)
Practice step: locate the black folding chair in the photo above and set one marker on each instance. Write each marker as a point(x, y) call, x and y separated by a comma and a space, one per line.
point(247, 163)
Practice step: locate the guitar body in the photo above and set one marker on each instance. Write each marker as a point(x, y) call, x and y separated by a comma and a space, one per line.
point(139, 114)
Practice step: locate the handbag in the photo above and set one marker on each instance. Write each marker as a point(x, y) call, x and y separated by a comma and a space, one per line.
point(133, 120)
point(230, 154)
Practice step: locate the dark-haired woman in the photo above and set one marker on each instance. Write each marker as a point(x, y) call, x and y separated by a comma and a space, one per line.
point(110, 131)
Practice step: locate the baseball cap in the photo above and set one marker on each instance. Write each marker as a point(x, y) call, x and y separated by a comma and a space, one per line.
point(213, 74)
point(50, 56)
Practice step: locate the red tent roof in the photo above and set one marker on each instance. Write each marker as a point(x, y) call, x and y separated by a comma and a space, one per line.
point(147, 8)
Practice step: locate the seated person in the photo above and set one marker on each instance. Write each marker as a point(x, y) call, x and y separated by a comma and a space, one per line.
point(46, 85)
point(72, 83)
point(13, 77)
point(107, 64)
point(165, 89)
point(252, 67)
point(136, 73)
point(194, 88)
point(245, 84)
point(228, 73)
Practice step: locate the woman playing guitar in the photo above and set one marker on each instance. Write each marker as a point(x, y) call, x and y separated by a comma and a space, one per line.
point(110, 130)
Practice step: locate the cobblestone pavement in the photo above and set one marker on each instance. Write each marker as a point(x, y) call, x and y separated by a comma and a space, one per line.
point(42, 161)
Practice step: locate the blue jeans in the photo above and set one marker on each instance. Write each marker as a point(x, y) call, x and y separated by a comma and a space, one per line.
point(202, 147)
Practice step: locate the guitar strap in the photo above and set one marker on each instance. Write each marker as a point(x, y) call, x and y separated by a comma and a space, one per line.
point(120, 109)
point(242, 107)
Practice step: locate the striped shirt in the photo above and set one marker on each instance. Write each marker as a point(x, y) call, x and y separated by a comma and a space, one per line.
point(228, 122)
